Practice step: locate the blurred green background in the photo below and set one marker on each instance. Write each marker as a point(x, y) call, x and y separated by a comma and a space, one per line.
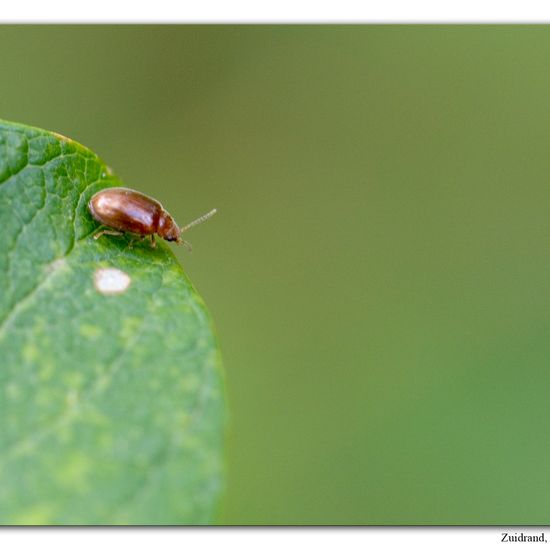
point(379, 269)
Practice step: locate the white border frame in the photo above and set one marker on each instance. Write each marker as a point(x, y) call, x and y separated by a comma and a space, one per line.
point(272, 11)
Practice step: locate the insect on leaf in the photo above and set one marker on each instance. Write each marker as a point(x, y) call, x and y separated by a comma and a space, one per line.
point(111, 394)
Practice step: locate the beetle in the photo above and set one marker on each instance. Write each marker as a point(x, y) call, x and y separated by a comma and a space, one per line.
point(122, 210)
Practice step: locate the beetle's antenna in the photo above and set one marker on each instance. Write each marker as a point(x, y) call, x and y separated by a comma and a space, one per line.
point(203, 218)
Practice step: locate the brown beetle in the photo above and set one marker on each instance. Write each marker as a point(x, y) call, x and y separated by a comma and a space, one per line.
point(124, 210)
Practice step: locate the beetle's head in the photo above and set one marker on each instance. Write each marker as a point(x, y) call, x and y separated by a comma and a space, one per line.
point(168, 229)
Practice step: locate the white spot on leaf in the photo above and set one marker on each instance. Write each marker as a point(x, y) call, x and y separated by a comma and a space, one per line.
point(110, 280)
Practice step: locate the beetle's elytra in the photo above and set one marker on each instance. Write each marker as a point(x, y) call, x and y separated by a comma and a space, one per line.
point(124, 210)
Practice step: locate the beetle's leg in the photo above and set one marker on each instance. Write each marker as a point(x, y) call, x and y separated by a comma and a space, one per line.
point(153, 242)
point(107, 232)
point(96, 231)
point(134, 239)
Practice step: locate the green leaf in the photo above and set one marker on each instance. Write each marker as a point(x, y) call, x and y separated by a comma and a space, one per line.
point(111, 406)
